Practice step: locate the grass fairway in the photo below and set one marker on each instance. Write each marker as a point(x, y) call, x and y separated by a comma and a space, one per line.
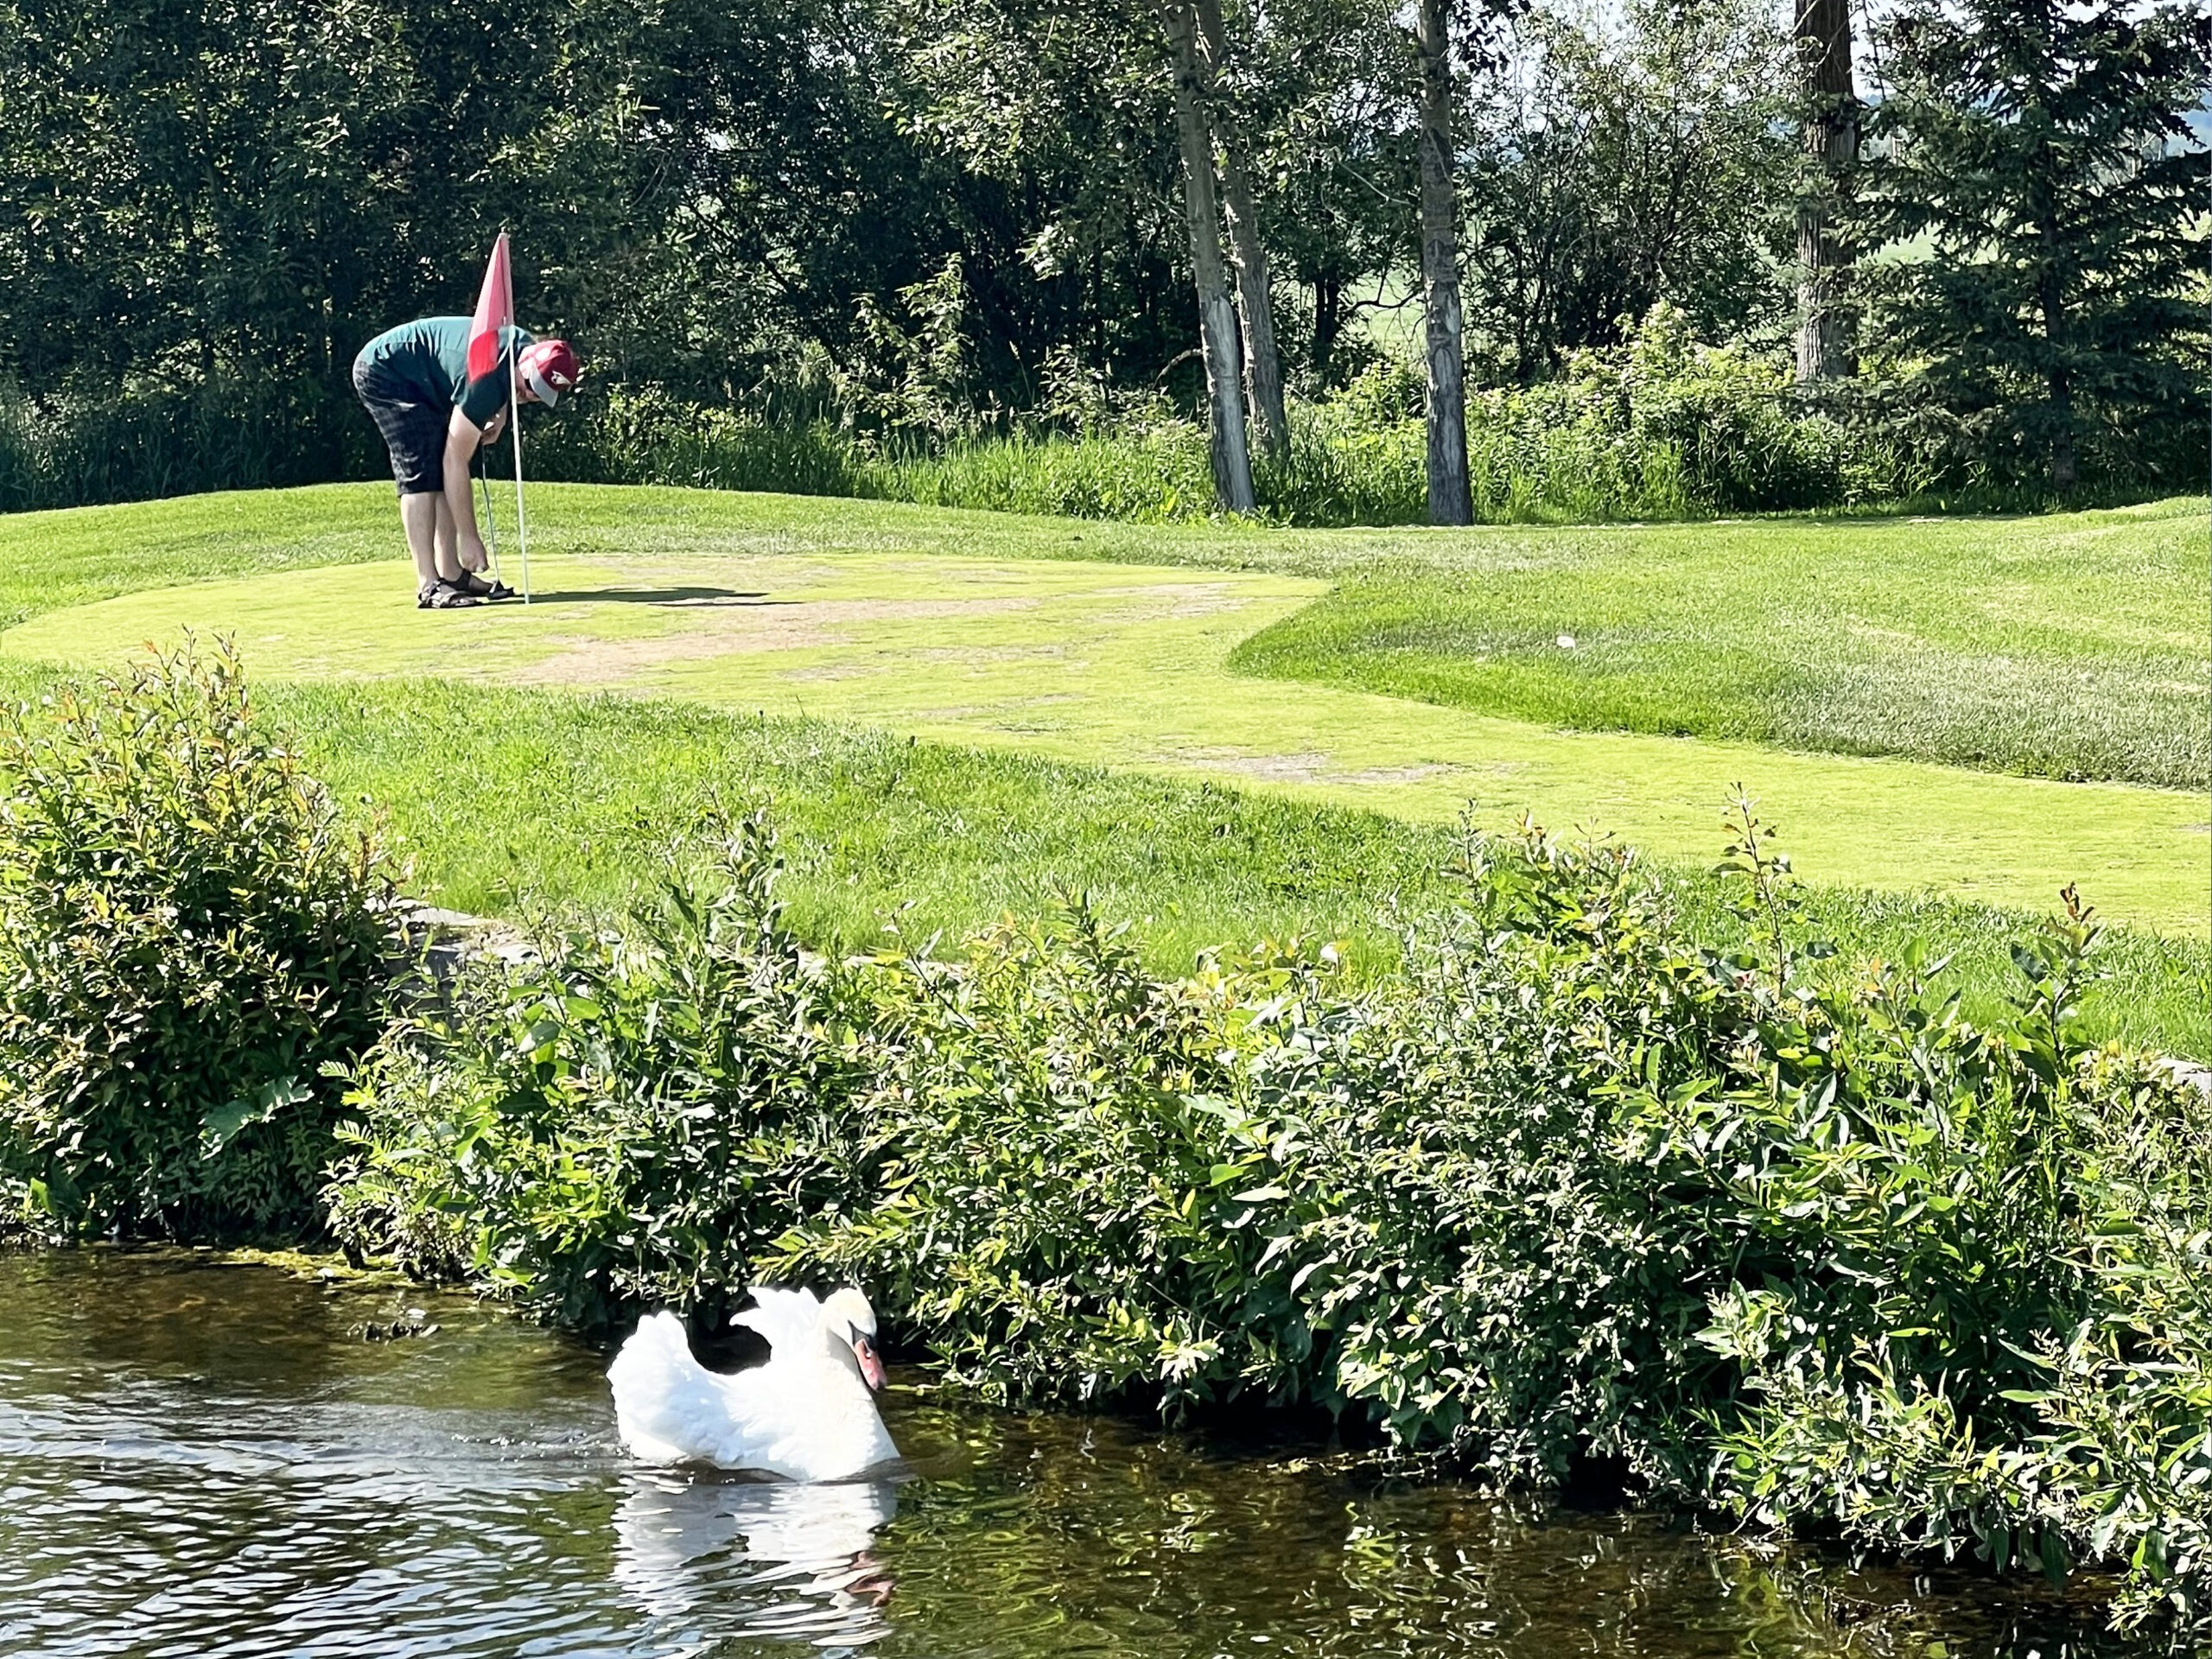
point(713, 636)
point(2073, 646)
point(1127, 665)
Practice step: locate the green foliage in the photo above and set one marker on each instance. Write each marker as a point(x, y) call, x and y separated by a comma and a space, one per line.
point(2035, 1390)
point(1060, 1208)
point(626, 1119)
point(1760, 1227)
point(1614, 163)
point(1659, 427)
point(187, 935)
point(2036, 193)
point(1664, 426)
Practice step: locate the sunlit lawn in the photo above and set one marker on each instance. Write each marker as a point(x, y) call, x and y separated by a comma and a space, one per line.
point(1025, 654)
point(2077, 645)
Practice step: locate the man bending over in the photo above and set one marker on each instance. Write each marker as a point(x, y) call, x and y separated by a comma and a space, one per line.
point(414, 381)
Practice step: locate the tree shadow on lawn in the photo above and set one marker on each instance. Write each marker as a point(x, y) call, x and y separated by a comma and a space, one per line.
point(699, 597)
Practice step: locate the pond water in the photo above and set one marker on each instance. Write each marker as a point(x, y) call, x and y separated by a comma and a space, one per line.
point(202, 1458)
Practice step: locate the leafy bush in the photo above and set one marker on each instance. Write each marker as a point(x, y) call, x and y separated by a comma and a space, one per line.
point(187, 935)
point(1661, 427)
point(627, 1119)
point(142, 442)
point(1760, 1229)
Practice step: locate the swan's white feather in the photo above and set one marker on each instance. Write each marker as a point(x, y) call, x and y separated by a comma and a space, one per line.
point(805, 1415)
point(790, 1319)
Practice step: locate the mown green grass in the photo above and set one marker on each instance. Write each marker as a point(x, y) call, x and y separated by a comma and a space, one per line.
point(962, 628)
point(2074, 646)
point(507, 798)
point(2071, 646)
point(505, 792)
point(511, 802)
point(54, 560)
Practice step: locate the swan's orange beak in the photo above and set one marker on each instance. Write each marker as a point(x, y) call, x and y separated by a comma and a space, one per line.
point(871, 1361)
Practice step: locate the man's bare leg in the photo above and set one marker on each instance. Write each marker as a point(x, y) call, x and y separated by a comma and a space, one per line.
point(448, 551)
point(418, 517)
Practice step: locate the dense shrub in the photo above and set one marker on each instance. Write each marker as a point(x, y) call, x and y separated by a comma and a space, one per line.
point(1659, 427)
point(187, 935)
point(1760, 1229)
point(74, 449)
point(628, 1118)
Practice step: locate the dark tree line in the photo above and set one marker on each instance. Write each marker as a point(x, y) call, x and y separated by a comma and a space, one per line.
point(702, 193)
point(1995, 209)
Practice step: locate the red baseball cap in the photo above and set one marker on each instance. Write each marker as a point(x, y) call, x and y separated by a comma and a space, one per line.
point(548, 368)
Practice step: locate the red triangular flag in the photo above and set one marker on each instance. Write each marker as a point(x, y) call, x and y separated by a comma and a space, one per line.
point(495, 310)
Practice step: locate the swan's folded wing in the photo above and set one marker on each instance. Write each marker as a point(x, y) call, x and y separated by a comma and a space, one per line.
point(666, 1404)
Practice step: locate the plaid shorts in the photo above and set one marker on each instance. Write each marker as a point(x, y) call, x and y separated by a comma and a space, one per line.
point(414, 431)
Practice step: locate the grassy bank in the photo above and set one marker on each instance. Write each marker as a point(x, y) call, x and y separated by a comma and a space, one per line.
point(1284, 809)
point(513, 794)
point(2071, 646)
point(513, 801)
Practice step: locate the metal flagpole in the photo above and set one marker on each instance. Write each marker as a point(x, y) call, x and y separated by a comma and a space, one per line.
point(514, 431)
point(491, 525)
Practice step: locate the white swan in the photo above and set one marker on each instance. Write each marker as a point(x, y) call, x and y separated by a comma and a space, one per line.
point(808, 1414)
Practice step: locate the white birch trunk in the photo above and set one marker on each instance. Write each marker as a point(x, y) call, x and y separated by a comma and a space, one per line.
point(1232, 461)
point(1449, 501)
point(1255, 287)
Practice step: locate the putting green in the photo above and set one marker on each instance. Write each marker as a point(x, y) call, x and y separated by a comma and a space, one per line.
point(1123, 664)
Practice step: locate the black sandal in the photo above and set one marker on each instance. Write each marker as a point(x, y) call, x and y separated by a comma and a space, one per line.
point(477, 586)
point(443, 596)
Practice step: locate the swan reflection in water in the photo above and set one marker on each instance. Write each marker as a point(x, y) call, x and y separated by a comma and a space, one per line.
point(729, 1556)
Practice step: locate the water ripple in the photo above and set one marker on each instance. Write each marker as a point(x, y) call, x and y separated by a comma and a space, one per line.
point(206, 1460)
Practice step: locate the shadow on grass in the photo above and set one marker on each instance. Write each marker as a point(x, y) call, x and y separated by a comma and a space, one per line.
point(692, 596)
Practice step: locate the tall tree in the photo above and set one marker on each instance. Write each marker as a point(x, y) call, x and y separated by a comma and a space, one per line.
point(1610, 167)
point(1064, 106)
point(1217, 333)
point(1829, 124)
point(1326, 83)
point(1255, 287)
point(2033, 163)
point(1449, 498)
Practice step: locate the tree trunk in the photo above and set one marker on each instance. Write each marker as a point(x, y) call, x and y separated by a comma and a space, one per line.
point(2065, 468)
point(1328, 323)
point(1449, 502)
point(1232, 462)
point(1826, 346)
point(1255, 291)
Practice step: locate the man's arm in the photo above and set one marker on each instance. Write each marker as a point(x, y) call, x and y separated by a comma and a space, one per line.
point(462, 441)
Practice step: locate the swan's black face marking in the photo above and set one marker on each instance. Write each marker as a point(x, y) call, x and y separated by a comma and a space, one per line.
point(864, 1351)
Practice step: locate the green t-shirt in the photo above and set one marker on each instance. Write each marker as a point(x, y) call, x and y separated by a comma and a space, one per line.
point(429, 357)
